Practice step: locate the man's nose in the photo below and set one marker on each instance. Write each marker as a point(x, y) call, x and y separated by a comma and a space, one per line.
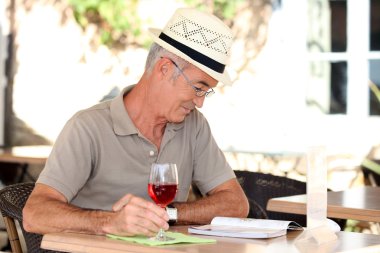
point(198, 101)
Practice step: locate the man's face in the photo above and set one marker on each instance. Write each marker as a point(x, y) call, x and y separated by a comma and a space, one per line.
point(183, 96)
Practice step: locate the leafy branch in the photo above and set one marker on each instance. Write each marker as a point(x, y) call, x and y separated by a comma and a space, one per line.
point(116, 20)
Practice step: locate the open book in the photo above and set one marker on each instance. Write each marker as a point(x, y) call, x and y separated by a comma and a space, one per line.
point(245, 228)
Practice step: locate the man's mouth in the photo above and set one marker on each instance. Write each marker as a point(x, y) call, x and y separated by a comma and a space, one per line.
point(187, 110)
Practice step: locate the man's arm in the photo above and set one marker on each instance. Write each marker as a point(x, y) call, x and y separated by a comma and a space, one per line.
point(47, 211)
point(227, 199)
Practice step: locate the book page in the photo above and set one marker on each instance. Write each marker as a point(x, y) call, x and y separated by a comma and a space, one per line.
point(237, 231)
point(232, 229)
point(255, 223)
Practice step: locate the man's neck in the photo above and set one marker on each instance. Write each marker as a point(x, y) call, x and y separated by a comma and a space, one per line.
point(139, 103)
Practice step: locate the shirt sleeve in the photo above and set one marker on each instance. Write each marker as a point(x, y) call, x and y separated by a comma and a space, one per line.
point(210, 165)
point(69, 165)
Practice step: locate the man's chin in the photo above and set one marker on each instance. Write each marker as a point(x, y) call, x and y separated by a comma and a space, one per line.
point(178, 120)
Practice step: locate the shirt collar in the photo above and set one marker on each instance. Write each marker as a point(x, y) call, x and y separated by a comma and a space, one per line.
point(122, 123)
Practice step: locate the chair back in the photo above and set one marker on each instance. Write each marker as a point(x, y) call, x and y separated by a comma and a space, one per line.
point(371, 171)
point(260, 187)
point(12, 201)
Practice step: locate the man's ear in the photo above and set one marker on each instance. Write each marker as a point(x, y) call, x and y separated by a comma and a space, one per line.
point(164, 68)
point(161, 68)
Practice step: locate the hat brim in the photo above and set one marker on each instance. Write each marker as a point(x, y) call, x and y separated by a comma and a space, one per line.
point(221, 77)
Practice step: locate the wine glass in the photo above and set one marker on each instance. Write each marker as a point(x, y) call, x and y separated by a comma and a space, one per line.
point(162, 188)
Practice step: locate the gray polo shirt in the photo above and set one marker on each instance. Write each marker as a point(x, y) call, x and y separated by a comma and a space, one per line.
point(100, 156)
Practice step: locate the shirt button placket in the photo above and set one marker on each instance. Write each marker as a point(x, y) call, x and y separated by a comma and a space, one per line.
point(152, 156)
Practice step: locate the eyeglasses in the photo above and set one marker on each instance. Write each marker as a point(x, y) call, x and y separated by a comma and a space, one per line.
point(198, 91)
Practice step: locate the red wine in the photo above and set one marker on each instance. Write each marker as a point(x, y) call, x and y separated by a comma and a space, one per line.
point(162, 194)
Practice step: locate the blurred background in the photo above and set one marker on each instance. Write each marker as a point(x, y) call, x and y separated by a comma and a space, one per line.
point(306, 73)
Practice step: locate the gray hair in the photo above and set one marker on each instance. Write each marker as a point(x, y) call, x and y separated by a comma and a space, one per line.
point(156, 52)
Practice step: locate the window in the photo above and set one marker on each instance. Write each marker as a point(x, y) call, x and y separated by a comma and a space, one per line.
point(353, 58)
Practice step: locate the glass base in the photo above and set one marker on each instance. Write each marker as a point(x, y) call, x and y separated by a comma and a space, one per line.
point(162, 237)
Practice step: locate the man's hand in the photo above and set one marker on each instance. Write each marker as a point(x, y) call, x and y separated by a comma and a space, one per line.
point(137, 216)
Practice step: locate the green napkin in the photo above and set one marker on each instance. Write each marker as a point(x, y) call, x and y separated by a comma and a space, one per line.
point(178, 238)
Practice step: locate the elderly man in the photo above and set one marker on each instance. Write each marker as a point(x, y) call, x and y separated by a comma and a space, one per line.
point(95, 179)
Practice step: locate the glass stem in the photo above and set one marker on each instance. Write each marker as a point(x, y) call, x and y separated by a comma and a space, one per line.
point(161, 235)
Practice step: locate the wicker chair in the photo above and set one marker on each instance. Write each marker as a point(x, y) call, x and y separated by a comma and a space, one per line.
point(12, 201)
point(260, 187)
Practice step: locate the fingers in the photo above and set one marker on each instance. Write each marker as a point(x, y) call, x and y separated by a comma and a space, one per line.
point(121, 202)
point(151, 208)
point(139, 216)
point(140, 202)
point(145, 225)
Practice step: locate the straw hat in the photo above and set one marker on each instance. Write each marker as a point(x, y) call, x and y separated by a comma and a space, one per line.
point(200, 38)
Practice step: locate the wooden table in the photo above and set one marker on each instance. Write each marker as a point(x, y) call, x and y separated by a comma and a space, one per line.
point(25, 156)
point(361, 203)
point(347, 242)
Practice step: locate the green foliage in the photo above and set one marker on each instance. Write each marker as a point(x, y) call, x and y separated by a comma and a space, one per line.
point(224, 9)
point(115, 19)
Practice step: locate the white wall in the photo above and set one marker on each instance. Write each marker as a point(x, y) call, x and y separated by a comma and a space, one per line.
point(3, 55)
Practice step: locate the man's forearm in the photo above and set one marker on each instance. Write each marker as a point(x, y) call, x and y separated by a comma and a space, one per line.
point(55, 216)
point(202, 211)
point(47, 211)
